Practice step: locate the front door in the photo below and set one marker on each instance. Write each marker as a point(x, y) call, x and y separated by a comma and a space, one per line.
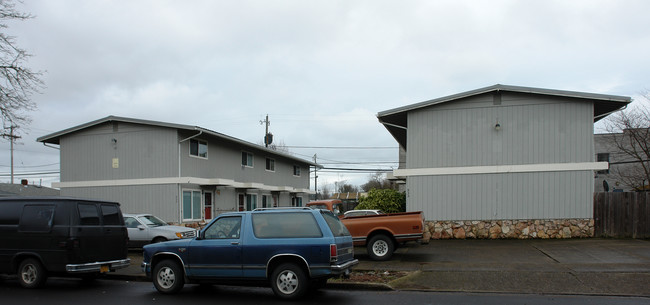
point(207, 203)
point(219, 253)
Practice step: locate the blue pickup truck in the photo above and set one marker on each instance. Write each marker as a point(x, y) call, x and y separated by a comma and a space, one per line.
point(292, 250)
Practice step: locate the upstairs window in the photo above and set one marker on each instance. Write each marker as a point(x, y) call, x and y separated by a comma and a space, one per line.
point(198, 148)
point(296, 170)
point(246, 159)
point(603, 157)
point(270, 165)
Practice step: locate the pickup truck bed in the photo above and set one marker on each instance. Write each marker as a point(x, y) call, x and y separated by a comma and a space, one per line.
point(381, 234)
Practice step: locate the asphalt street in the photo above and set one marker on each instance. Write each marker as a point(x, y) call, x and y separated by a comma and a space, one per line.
point(615, 267)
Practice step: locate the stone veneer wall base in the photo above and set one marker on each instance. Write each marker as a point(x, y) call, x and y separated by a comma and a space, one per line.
point(510, 229)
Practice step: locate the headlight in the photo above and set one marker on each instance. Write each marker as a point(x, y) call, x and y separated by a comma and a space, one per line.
point(186, 234)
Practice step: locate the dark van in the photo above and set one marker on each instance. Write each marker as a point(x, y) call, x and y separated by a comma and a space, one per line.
point(59, 236)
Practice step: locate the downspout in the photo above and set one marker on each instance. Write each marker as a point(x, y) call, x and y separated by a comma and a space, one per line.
point(180, 191)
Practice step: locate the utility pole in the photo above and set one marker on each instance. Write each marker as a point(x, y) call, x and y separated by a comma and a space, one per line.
point(268, 138)
point(12, 138)
point(316, 177)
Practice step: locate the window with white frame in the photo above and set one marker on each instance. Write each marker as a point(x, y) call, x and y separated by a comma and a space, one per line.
point(191, 205)
point(270, 164)
point(198, 148)
point(251, 202)
point(296, 170)
point(246, 159)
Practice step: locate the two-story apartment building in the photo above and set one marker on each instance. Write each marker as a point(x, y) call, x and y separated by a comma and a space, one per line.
point(179, 172)
point(509, 161)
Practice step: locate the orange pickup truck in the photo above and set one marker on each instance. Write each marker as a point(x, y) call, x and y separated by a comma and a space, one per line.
point(381, 234)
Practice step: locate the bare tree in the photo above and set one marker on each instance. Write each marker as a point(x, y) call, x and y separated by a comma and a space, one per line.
point(377, 181)
point(629, 137)
point(17, 82)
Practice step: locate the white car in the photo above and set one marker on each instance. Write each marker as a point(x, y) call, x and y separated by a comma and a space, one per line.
point(352, 213)
point(146, 228)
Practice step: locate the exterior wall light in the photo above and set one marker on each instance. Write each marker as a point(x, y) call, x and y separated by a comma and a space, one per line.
point(497, 127)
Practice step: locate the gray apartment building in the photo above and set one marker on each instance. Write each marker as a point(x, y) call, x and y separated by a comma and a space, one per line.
point(501, 154)
point(180, 173)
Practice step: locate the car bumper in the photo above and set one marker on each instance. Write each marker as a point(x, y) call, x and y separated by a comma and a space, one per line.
point(98, 266)
point(344, 268)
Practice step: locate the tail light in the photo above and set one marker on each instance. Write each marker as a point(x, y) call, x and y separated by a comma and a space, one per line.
point(333, 253)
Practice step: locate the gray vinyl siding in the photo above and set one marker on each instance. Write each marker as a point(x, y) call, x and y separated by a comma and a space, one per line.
point(534, 130)
point(549, 195)
point(224, 161)
point(142, 151)
point(159, 199)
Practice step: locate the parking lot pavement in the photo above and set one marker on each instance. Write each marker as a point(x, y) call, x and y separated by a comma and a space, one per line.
point(568, 266)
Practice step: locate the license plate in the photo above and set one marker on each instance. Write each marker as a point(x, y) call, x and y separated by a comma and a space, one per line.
point(103, 269)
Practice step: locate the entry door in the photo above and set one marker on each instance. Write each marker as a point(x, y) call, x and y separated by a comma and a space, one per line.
point(207, 201)
point(241, 200)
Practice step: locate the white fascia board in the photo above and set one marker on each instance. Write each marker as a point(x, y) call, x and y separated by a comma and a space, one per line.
point(501, 169)
point(173, 180)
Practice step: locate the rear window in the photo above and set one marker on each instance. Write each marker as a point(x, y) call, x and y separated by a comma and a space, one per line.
point(111, 215)
point(337, 227)
point(88, 214)
point(285, 225)
point(36, 218)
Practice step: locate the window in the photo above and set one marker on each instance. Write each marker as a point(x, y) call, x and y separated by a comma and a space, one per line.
point(265, 201)
point(111, 215)
point(603, 157)
point(270, 164)
point(130, 222)
point(224, 228)
point(337, 227)
point(88, 214)
point(296, 170)
point(36, 218)
point(246, 159)
point(285, 225)
point(251, 202)
point(198, 148)
point(191, 205)
point(296, 201)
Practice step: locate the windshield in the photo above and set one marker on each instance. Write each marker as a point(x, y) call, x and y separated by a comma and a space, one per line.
point(152, 221)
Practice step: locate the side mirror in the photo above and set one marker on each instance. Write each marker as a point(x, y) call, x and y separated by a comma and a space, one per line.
point(141, 227)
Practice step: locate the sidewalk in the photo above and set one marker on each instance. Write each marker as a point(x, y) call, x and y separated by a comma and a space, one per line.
point(573, 266)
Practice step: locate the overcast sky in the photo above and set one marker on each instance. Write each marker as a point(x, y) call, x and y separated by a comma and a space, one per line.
point(321, 70)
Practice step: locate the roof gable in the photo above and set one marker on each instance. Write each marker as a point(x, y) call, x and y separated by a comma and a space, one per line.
point(395, 120)
point(54, 138)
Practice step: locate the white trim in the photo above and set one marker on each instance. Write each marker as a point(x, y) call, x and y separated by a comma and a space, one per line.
point(501, 169)
point(176, 180)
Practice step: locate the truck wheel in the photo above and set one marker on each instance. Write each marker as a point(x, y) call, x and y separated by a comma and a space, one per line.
point(31, 273)
point(289, 281)
point(380, 247)
point(168, 277)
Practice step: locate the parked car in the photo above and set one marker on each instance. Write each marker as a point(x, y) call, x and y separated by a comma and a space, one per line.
point(381, 234)
point(59, 236)
point(353, 213)
point(146, 228)
point(292, 250)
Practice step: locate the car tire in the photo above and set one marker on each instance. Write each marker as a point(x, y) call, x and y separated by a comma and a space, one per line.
point(168, 277)
point(31, 273)
point(289, 281)
point(380, 247)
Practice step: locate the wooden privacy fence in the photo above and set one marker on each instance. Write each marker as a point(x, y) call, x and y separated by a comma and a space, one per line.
point(622, 215)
